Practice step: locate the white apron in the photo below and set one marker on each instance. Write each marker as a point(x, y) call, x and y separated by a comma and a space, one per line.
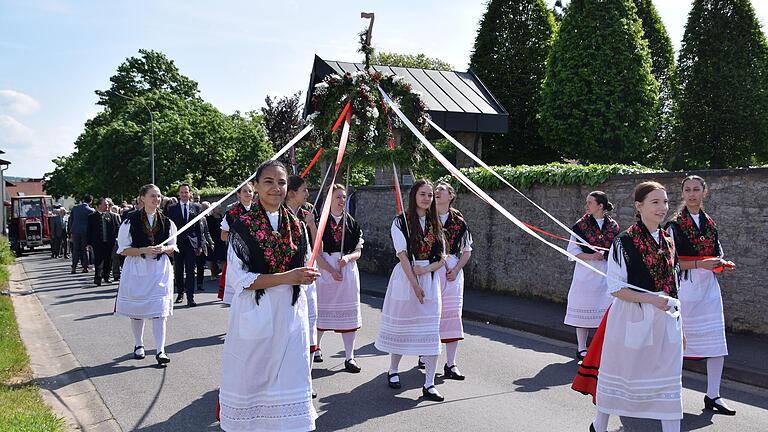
point(702, 312)
point(407, 326)
point(338, 303)
point(451, 327)
point(641, 363)
point(588, 296)
point(311, 291)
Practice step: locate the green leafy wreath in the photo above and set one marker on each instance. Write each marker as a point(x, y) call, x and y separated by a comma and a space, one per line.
point(372, 122)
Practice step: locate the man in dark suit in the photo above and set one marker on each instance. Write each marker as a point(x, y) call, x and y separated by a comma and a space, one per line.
point(190, 244)
point(78, 232)
point(58, 232)
point(102, 235)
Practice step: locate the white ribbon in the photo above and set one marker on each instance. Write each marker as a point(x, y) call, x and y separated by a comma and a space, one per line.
point(485, 197)
point(203, 214)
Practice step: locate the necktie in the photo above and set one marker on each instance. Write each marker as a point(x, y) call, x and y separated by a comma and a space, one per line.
point(104, 227)
point(184, 215)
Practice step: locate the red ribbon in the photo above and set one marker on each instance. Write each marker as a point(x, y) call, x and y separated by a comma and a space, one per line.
point(715, 270)
point(312, 163)
point(344, 112)
point(562, 238)
point(327, 204)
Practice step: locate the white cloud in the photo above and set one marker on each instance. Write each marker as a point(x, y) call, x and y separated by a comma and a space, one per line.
point(15, 102)
point(14, 133)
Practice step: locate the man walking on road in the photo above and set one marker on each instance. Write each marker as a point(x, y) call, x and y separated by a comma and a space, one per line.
point(190, 244)
point(102, 235)
point(58, 232)
point(78, 230)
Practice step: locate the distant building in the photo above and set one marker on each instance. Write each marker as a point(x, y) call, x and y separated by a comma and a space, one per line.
point(32, 186)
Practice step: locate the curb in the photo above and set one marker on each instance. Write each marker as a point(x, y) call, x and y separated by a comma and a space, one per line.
point(63, 383)
point(733, 373)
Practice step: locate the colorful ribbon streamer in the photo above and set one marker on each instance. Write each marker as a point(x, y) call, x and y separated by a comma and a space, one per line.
point(312, 162)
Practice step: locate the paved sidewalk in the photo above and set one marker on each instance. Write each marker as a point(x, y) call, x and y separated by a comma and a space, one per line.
point(746, 362)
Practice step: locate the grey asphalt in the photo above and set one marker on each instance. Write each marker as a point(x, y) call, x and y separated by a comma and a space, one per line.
point(516, 381)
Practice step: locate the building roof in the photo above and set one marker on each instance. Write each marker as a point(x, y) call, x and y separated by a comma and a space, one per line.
point(26, 188)
point(456, 101)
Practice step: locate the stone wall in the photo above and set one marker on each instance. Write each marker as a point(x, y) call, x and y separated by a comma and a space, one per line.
point(507, 259)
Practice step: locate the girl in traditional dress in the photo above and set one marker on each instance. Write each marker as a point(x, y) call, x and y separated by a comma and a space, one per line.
point(588, 297)
point(265, 379)
point(338, 287)
point(242, 206)
point(146, 282)
point(458, 241)
point(698, 245)
point(410, 317)
point(636, 358)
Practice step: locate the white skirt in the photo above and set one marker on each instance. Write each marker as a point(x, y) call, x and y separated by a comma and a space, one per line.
point(265, 367)
point(702, 312)
point(338, 303)
point(588, 297)
point(229, 292)
point(641, 364)
point(407, 326)
point(146, 288)
point(451, 327)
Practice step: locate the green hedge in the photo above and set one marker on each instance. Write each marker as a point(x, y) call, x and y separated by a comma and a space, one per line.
point(555, 174)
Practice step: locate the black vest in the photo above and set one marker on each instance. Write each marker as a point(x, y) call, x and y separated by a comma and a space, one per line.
point(435, 253)
point(637, 272)
point(352, 235)
point(139, 238)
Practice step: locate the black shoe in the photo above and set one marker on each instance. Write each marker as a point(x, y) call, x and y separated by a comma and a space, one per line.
point(393, 384)
point(318, 356)
point(191, 303)
point(138, 355)
point(85, 270)
point(435, 396)
point(581, 354)
point(179, 298)
point(592, 427)
point(351, 366)
point(106, 280)
point(74, 270)
point(712, 405)
point(314, 394)
point(97, 282)
point(421, 364)
point(448, 373)
point(162, 359)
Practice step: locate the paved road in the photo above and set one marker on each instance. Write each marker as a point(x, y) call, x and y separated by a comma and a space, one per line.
point(516, 381)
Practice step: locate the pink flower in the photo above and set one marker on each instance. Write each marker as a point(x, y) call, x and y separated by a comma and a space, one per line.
point(268, 252)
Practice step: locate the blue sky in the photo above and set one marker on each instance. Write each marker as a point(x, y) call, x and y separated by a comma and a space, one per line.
point(55, 53)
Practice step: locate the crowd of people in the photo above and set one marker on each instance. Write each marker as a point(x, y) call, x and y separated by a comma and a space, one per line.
point(653, 300)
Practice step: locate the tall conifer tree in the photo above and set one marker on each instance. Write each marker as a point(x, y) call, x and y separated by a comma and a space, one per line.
point(599, 96)
point(511, 47)
point(723, 70)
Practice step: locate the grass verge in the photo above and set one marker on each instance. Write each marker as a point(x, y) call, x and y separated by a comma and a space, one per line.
point(21, 406)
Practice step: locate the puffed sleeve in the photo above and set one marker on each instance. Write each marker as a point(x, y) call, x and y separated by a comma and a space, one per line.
point(172, 236)
point(124, 239)
point(617, 268)
point(360, 242)
point(224, 224)
point(398, 239)
point(573, 248)
point(466, 241)
point(238, 275)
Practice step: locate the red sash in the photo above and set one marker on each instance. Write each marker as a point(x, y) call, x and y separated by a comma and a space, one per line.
point(222, 282)
point(585, 381)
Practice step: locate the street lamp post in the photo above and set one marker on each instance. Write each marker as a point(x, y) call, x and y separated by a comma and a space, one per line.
point(3, 166)
point(151, 128)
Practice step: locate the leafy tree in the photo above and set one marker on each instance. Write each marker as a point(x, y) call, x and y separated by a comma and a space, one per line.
point(409, 60)
point(599, 96)
point(193, 140)
point(723, 68)
point(511, 47)
point(282, 120)
point(663, 69)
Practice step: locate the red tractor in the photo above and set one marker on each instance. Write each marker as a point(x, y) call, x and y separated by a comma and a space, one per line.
point(29, 222)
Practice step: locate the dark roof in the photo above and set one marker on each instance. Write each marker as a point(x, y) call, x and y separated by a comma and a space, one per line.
point(456, 101)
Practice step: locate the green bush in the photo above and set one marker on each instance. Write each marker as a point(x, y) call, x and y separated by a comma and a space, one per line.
point(6, 257)
point(556, 174)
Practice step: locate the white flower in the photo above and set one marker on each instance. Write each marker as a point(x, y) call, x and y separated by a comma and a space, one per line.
point(397, 78)
point(311, 118)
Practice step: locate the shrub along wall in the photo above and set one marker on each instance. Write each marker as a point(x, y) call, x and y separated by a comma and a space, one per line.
point(508, 260)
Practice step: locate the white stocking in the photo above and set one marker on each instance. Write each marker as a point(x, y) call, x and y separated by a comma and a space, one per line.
point(158, 330)
point(450, 352)
point(601, 421)
point(582, 334)
point(670, 425)
point(349, 344)
point(714, 374)
point(394, 362)
point(430, 361)
point(137, 327)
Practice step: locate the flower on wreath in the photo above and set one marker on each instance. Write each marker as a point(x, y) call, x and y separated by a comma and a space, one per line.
point(373, 121)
